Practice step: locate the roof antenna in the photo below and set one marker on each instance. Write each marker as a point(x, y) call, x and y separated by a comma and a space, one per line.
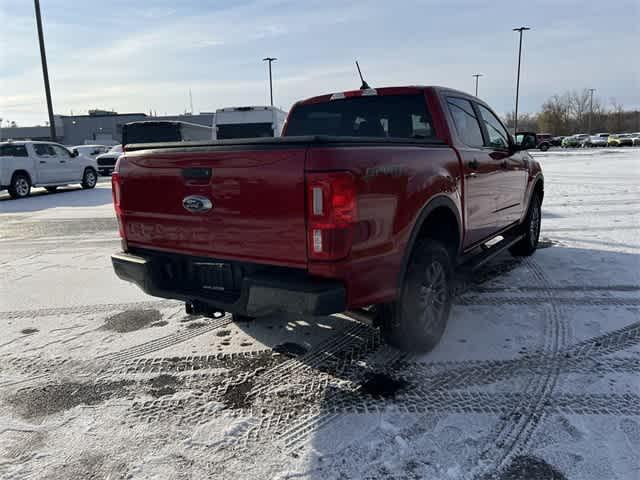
point(365, 85)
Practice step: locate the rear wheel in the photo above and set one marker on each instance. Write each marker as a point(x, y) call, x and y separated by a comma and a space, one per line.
point(531, 230)
point(417, 320)
point(544, 147)
point(89, 179)
point(20, 186)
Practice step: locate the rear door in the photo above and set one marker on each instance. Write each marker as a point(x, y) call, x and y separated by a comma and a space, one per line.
point(49, 170)
point(69, 167)
point(481, 172)
point(511, 167)
point(256, 194)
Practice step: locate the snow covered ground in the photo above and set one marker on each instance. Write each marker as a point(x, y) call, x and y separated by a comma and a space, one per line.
point(537, 376)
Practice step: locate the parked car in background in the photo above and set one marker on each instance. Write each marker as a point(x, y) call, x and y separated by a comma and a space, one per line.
point(597, 140)
point(27, 164)
point(248, 122)
point(164, 131)
point(107, 161)
point(636, 139)
point(574, 140)
point(370, 197)
point(90, 150)
point(557, 141)
point(543, 140)
point(620, 140)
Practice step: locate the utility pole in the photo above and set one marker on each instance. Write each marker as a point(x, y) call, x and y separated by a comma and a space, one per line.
point(520, 29)
point(591, 90)
point(45, 72)
point(270, 60)
point(477, 75)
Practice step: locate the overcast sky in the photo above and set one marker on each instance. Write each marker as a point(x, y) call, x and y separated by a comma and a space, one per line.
point(133, 56)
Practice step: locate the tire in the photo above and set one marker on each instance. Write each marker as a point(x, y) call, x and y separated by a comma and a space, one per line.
point(89, 179)
point(51, 189)
point(544, 147)
point(531, 228)
point(20, 186)
point(418, 319)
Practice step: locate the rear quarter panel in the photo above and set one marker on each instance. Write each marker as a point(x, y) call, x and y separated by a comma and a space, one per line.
point(394, 184)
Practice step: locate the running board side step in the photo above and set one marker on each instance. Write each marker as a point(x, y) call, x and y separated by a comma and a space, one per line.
point(470, 262)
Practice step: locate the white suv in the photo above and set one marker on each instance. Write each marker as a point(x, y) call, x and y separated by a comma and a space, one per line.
point(42, 164)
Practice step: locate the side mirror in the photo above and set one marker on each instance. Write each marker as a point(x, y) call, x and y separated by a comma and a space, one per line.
point(525, 141)
point(74, 153)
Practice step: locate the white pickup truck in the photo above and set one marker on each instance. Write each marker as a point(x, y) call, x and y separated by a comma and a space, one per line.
point(27, 164)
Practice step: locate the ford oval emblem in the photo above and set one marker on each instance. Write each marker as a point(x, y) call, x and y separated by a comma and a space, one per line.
point(196, 204)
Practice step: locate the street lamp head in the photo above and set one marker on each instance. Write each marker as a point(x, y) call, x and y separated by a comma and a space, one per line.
point(521, 29)
point(269, 59)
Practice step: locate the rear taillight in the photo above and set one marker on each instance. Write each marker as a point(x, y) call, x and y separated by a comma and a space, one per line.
point(331, 214)
point(116, 190)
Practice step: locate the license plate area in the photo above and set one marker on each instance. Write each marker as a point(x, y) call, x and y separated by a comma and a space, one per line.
point(214, 276)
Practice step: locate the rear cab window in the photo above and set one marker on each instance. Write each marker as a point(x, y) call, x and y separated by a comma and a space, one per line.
point(378, 116)
point(13, 151)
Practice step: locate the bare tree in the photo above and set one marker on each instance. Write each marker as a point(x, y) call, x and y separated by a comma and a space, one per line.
point(556, 114)
point(579, 106)
point(615, 119)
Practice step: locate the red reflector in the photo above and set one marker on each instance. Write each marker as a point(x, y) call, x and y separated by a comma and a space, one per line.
point(332, 212)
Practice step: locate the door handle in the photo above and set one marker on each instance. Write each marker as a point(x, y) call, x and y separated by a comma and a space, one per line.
point(63, 161)
point(42, 161)
point(474, 164)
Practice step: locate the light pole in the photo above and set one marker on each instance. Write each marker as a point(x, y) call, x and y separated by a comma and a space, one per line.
point(477, 75)
point(521, 29)
point(45, 72)
point(591, 90)
point(270, 60)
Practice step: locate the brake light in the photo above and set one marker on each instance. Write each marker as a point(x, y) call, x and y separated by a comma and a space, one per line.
point(116, 190)
point(331, 214)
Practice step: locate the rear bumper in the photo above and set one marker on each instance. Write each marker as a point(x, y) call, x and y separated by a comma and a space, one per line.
point(261, 293)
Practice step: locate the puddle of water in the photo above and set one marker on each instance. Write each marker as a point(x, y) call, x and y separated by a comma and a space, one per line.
point(382, 385)
point(525, 466)
point(131, 320)
point(290, 349)
point(48, 399)
point(164, 385)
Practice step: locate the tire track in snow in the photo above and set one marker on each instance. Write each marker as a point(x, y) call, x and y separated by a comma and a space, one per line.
point(512, 437)
point(84, 309)
point(586, 301)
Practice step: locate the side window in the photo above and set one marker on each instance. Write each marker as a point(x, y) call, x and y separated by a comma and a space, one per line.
point(498, 136)
point(13, 151)
point(465, 121)
point(43, 149)
point(60, 151)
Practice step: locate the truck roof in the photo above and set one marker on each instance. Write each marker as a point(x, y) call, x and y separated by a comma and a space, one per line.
point(24, 142)
point(402, 90)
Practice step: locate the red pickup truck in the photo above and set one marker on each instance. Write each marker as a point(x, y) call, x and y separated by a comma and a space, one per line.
point(371, 199)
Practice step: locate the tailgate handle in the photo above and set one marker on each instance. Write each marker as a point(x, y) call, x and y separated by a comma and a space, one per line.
point(197, 173)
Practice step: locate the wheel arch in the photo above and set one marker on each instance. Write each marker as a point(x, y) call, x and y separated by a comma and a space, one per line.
point(24, 172)
point(438, 210)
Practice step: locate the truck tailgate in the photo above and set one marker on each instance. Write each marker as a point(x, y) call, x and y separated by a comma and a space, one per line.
point(257, 196)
